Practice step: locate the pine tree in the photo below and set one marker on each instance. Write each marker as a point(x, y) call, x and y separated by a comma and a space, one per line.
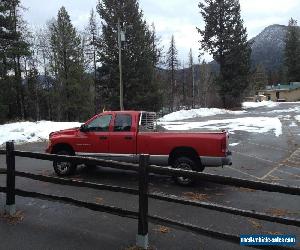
point(140, 88)
point(13, 47)
point(172, 65)
point(93, 42)
point(205, 85)
point(259, 79)
point(32, 94)
point(71, 90)
point(225, 37)
point(292, 51)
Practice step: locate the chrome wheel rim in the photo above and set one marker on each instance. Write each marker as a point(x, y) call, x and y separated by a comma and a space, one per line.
point(63, 167)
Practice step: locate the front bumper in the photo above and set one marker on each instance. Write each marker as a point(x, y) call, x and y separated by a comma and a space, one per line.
point(217, 161)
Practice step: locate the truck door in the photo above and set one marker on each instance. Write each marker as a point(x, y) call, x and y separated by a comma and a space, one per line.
point(95, 138)
point(123, 138)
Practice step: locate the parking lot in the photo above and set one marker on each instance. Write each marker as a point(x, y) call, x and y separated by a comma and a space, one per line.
point(256, 156)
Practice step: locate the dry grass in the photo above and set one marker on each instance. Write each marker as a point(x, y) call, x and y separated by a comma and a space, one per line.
point(247, 190)
point(272, 233)
point(98, 200)
point(278, 212)
point(195, 196)
point(255, 224)
point(274, 178)
point(162, 229)
point(13, 219)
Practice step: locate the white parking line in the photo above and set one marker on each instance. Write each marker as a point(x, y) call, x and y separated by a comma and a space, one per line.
point(270, 172)
point(254, 156)
point(240, 171)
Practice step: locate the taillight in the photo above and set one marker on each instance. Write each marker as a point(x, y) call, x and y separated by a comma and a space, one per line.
point(224, 142)
point(223, 145)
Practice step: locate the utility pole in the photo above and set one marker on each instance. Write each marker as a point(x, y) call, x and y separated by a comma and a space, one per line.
point(120, 64)
point(193, 77)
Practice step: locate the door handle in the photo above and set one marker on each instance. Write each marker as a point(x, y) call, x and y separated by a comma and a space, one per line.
point(128, 137)
point(102, 137)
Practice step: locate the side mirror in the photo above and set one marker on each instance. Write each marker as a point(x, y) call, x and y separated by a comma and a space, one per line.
point(83, 128)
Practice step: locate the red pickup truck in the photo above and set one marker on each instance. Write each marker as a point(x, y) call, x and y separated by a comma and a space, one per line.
point(123, 135)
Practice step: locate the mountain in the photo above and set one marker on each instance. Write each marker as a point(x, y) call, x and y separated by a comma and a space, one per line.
point(268, 47)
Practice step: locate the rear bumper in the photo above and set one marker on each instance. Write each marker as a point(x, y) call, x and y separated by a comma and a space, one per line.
point(217, 161)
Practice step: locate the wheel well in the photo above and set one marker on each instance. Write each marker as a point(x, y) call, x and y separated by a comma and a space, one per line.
point(183, 151)
point(62, 146)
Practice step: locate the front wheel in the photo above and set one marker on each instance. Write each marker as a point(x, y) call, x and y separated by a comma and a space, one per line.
point(184, 163)
point(64, 168)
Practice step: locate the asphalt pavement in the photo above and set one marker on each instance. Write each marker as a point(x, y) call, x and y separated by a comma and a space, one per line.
point(265, 157)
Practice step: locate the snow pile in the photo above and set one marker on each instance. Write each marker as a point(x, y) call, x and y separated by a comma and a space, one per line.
point(297, 117)
point(22, 132)
point(270, 104)
point(248, 124)
point(193, 113)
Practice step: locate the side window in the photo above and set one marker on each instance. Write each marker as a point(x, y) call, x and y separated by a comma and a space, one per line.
point(100, 124)
point(122, 123)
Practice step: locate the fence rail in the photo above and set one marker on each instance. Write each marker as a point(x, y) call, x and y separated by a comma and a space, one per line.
point(226, 180)
point(78, 160)
point(67, 200)
point(143, 169)
point(76, 183)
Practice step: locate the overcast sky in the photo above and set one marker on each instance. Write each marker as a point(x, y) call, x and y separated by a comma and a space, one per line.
point(178, 17)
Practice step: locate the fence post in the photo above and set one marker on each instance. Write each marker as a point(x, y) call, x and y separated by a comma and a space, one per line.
point(10, 207)
point(142, 236)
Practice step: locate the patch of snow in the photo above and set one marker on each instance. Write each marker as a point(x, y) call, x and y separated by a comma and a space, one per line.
point(22, 132)
point(284, 117)
point(234, 144)
point(270, 104)
point(293, 124)
point(295, 109)
point(193, 113)
point(297, 117)
point(248, 124)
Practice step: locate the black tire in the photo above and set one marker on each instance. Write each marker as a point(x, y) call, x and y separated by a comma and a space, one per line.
point(64, 168)
point(184, 163)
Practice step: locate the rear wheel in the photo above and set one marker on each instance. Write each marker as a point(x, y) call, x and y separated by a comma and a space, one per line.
point(184, 163)
point(64, 168)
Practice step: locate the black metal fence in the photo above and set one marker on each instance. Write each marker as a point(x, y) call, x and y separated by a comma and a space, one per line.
point(142, 215)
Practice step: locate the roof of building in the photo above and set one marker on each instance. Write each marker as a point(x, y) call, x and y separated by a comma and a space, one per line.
point(284, 86)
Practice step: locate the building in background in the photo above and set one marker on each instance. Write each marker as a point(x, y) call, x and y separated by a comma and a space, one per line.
point(282, 92)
